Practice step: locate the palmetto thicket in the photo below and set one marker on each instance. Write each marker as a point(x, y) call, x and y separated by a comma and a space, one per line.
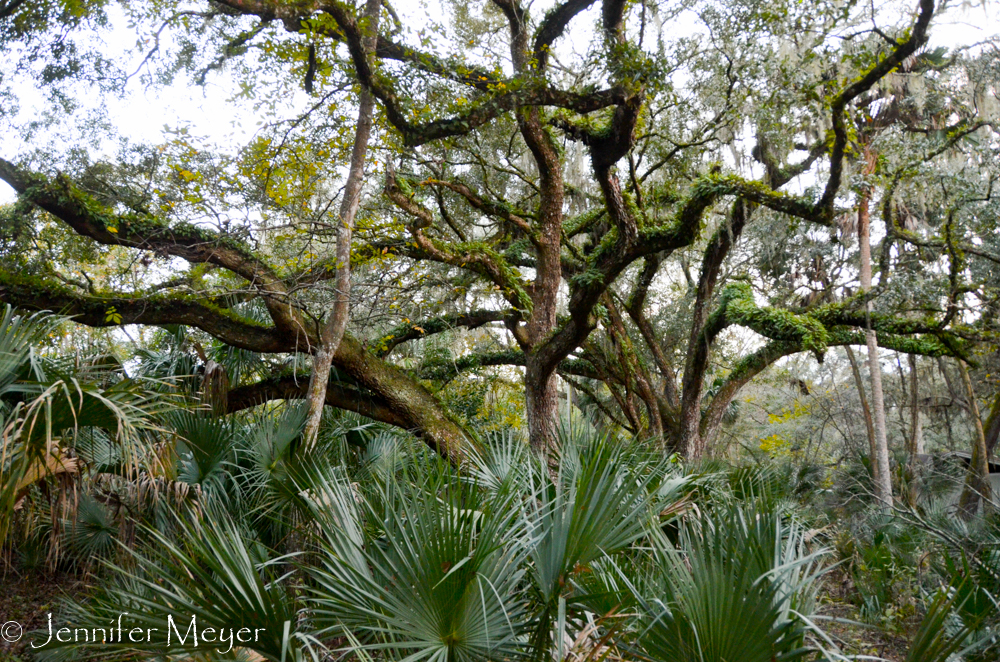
point(370, 545)
point(371, 542)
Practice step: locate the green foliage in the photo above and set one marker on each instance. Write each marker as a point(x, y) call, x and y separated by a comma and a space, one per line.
point(734, 589)
point(610, 548)
point(444, 583)
point(212, 572)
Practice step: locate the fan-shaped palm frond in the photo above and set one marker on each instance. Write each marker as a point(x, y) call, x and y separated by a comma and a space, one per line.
point(736, 588)
point(93, 533)
point(267, 452)
point(604, 496)
point(18, 335)
point(39, 433)
point(206, 452)
point(212, 572)
point(501, 458)
point(441, 581)
point(168, 359)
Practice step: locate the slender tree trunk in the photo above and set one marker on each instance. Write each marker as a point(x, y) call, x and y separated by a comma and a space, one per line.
point(992, 426)
point(916, 445)
point(883, 481)
point(866, 412)
point(336, 322)
point(977, 483)
point(884, 491)
point(903, 398)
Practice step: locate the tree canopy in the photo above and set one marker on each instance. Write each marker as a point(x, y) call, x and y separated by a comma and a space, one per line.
point(650, 202)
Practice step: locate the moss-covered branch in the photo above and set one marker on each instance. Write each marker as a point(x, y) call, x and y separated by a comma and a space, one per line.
point(113, 309)
point(445, 369)
point(292, 387)
point(477, 256)
point(427, 327)
point(89, 218)
point(817, 330)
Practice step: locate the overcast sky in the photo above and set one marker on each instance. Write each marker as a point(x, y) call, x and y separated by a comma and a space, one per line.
point(143, 115)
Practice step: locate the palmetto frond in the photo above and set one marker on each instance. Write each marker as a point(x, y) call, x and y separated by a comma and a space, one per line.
point(441, 579)
point(18, 361)
point(734, 589)
point(206, 454)
point(211, 571)
point(39, 433)
point(603, 497)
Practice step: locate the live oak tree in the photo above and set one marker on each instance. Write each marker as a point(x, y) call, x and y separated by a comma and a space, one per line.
point(610, 187)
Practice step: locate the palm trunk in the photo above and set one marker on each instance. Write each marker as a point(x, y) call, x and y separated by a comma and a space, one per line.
point(977, 484)
point(883, 480)
point(336, 322)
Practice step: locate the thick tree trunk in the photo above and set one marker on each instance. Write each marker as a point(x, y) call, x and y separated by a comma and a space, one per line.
point(541, 399)
point(866, 412)
point(690, 447)
point(977, 484)
point(336, 322)
point(883, 480)
point(541, 390)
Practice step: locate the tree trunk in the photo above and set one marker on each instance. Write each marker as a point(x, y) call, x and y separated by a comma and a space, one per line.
point(916, 445)
point(865, 411)
point(992, 426)
point(977, 484)
point(541, 399)
point(691, 441)
point(883, 480)
point(336, 322)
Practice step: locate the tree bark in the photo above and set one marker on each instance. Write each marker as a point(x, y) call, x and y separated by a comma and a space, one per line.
point(865, 411)
point(992, 426)
point(977, 484)
point(541, 390)
point(883, 479)
point(916, 445)
point(692, 444)
point(541, 399)
point(336, 322)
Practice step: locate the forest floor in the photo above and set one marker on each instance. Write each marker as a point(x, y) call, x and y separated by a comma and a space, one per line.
point(889, 641)
point(27, 598)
